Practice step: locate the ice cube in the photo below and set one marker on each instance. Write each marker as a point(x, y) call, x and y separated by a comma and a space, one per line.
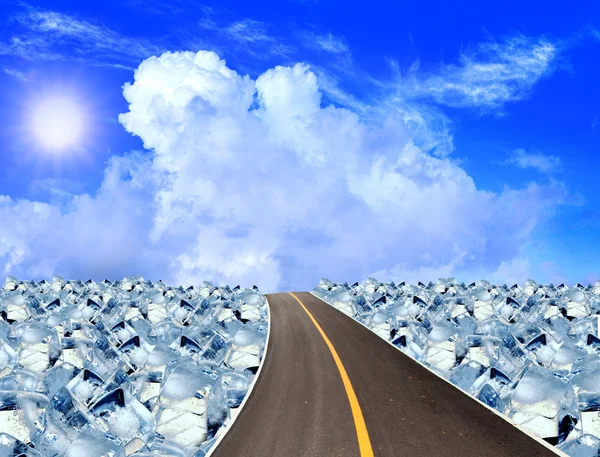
point(38, 347)
point(12, 447)
point(8, 356)
point(586, 386)
point(441, 346)
point(19, 412)
point(16, 307)
point(57, 377)
point(583, 446)
point(465, 375)
point(536, 401)
point(123, 416)
point(217, 410)
point(235, 386)
point(95, 443)
point(490, 397)
point(182, 408)
point(216, 350)
point(136, 350)
point(245, 351)
point(85, 386)
point(577, 303)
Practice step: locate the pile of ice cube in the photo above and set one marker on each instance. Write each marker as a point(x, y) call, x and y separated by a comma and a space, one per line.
point(532, 352)
point(128, 368)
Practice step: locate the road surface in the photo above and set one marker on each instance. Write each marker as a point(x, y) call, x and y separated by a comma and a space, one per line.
point(302, 404)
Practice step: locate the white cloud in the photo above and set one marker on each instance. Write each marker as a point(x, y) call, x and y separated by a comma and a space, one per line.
point(514, 271)
point(325, 42)
point(16, 74)
point(536, 160)
point(45, 34)
point(248, 30)
point(490, 76)
point(249, 35)
point(279, 195)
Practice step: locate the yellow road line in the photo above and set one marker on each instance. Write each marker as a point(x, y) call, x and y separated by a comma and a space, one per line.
point(364, 443)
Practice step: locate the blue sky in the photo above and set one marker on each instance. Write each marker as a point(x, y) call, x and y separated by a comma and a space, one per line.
point(277, 143)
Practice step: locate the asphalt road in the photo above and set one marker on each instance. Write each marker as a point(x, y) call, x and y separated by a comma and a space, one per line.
point(301, 407)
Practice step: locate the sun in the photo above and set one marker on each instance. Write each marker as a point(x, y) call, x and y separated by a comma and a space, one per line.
point(57, 123)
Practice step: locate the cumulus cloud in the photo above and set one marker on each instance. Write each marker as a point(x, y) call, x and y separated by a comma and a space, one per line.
point(488, 77)
point(255, 181)
point(514, 271)
point(536, 160)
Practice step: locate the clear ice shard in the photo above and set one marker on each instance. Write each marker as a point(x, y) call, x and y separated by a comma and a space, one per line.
point(531, 352)
point(123, 368)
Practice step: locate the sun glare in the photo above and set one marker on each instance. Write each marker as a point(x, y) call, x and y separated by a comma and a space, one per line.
point(57, 123)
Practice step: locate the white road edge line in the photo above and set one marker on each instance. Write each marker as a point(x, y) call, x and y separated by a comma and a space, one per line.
point(507, 419)
point(223, 430)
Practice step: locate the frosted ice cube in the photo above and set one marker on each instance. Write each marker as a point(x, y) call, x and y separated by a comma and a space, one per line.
point(91, 308)
point(343, 301)
point(381, 324)
point(482, 304)
point(136, 350)
point(536, 401)
point(123, 416)
point(123, 331)
point(15, 307)
point(38, 348)
point(85, 386)
point(245, 349)
point(182, 413)
point(441, 346)
point(183, 312)
point(577, 303)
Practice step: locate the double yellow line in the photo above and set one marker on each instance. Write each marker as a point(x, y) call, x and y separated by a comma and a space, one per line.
point(364, 443)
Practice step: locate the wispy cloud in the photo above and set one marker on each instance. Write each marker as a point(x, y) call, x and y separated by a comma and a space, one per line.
point(248, 34)
point(488, 77)
point(536, 160)
point(16, 73)
point(50, 35)
point(326, 42)
point(248, 30)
